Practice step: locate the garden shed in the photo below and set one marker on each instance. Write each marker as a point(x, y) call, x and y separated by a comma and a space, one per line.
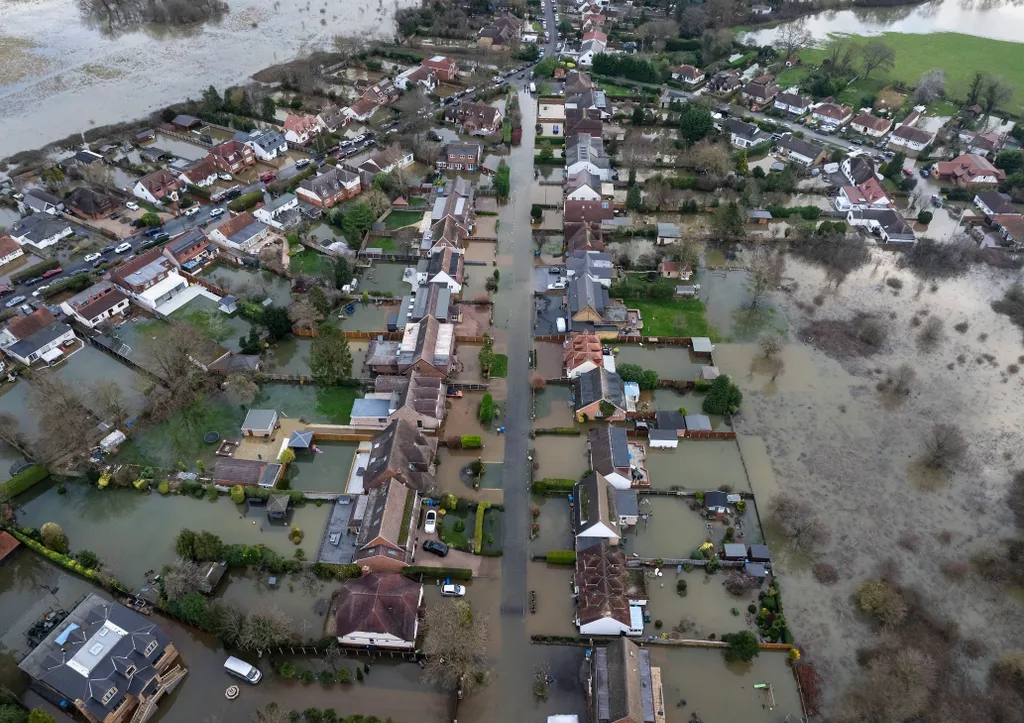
point(259, 423)
point(756, 570)
point(663, 438)
point(735, 551)
point(277, 507)
point(760, 553)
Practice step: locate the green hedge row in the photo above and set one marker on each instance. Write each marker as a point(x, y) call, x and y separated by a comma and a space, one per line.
point(456, 573)
point(478, 527)
point(244, 203)
point(471, 441)
point(63, 560)
point(540, 161)
point(566, 431)
point(203, 193)
point(74, 284)
point(33, 271)
point(553, 140)
point(24, 480)
point(807, 213)
point(554, 487)
point(561, 557)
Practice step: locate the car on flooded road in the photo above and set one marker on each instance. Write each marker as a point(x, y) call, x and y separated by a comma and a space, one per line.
point(453, 590)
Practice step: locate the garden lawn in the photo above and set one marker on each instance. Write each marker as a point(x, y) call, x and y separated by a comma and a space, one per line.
point(958, 55)
point(399, 219)
point(384, 243)
point(500, 366)
point(336, 403)
point(674, 317)
point(310, 263)
point(793, 76)
point(447, 521)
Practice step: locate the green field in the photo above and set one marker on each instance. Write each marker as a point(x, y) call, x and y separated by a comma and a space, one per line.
point(500, 366)
point(958, 55)
point(674, 317)
point(399, 219)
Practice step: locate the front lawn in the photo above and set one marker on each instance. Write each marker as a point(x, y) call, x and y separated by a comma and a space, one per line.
point(499, 368)
point(458, 539)
point(399, 219)
point(673, 317)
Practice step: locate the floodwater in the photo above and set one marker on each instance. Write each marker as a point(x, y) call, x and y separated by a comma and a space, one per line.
point(704, 464)
point(672, 529)
point(71, 76)
point(670, 362)
point(314, 404)
point(728, 308)
point(87, 366)
point(368, 317)
point(255, 284)
point(323, 472)
point(290, 356)
point(383, 277)
point(706, 603)
point(14, 401)
point(180, 148)
point(996, 20)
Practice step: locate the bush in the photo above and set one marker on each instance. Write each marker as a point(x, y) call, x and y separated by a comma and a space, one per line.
point(33, 271)
point(325, 676)
point(471, 442)
point(343, 675)
point(24, 480)
point(238, 494)
point(743, 646)
point(566, 431)
point(925, 217)
point(74, 284)
point(286, 670)
point(439, 573)
point(307, 676)
point(554, 487)
point(723, 397)
point(460, 525)
point(478, 527)
point(164, 487)
point(561, 557)
point(244, 203)
point(681, 588)
point(486, 411)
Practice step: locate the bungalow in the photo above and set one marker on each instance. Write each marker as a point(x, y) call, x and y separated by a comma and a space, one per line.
point(581, 353)
point(40, 231)
point(615, 459)
point(260, 423)
point(372, 98)
point(622, 685)
point(724, 82)
point(87, 203)
point(792, 103)
point(202, 173)
point(232, 156)
point(474, 118)
point(608, 600)
point(378, 611)
point(36, 336)
point(969, 171)
point(416, 398)
point(189, 250)
point(401, 453)
point(910, 140)
point(157, 186)
point(675, 270)
point(593, 511)
point(595, 35)
point(1011, 228)
point(460, 156)
point(599, 394)
point(584, 152)
point(39, 201)
point(583, 186)
point(869, 194)
point(832, 114)
point(99, 302)
point(186, 122)
point(240, 233)
point(688, 74)
point(982, 144)
point(742, 134)
point(150, 279)
point(265, 145)
point(671, 96)
point(300, 128)
point(377, 162)
point(993, 203)
point(869, 125)
point(329, 188)
point(800, 151)
point(885, 223)
point(9, 250)
point(280, 213)
point(595, 265)
point(668, 233)
point(247, 473)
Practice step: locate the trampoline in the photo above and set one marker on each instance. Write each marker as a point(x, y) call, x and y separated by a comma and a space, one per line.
point(211, 437)
point(350, 309)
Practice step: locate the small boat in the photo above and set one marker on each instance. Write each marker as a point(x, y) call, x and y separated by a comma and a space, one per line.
point(138, 605)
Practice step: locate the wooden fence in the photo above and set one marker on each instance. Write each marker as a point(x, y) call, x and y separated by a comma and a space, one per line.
point(193, 279)
point(385, 335)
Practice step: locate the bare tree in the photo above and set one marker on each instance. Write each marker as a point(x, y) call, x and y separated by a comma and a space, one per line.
point(945, 447)
point(997, 91)
point(174, 355)
point(975, 87)
point(98, 174)
point(271, 713)
point(66, 426)
point(10, 432)
point(711, 158)
point(182, 578)
point(931, 86)
point(931, 334)
point(657, 192)
point(349, 45)
point(541, 680)
point(897, 686)
point(107, 399)
point(771, 344)
point(241, 389)
point(876, 55)
point(304, 315)
point(637, 152)
point(839, 54)
point(776, 367)
point(455, 643)
point(265, 628)
point(766, 265)
point(378, 200)
point(901, 381)
point(740, 583)
point(798, 521)
point(793, 37)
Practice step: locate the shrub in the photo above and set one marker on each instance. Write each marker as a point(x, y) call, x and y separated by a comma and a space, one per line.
point(486, 412)
point(53, 537)
point(238, 494)
point(825, 573)
point(286, 670)
point(752, 609)
point(554, 487)
point(470, 441)
point(164, 487)
point(439, 573)
point(563, 431)
point(24, 480)
point(359, 674)
point(245, 202)
point(307, 676)
point(312, 715)
point(723, 397)
point(325, 676)
point(343, 675)
point(681, 588)
point(460, 525)
point(561, 557)
point(478, 528)
point(743, 646)
point(741, 507)
point(925, 217)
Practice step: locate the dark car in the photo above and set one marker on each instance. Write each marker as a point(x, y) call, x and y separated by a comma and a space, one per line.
point(438, 548)
point(34, 281)
point(106, 249)
point(154, 231)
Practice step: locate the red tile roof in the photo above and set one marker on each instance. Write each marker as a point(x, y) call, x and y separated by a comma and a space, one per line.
point(8, 246)
point(8, 543)
point(23, 327)
point(869, 121)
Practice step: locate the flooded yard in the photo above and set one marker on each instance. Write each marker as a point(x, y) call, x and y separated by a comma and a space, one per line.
point(88, 366)
point(250, 284)
point(326, 471)
point(728, 307)
point(368, 317)
point(670, 362)
point(316, 405)
point(202, 313)
point(698, 465)
point(385, 278)
point(552, 405)
point(672, 529)
point(14, 400)
point(556, 610)
point(707, 608)
point(561, 456)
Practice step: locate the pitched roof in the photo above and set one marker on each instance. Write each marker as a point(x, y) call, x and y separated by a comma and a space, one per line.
point(298, 123)
point(37, 340)
point(22, 327)
point(621, 676)
point(246, 472)
point(792, 99)
point(38, 227)
point(580, 348)
point(102, 300)
point(127, 273)
point(799, 146)
point(833, 111)
point(868, 192)
point(967, 166)
point(158, 180)
point(599, 384)
point(200, 170)
point(91, 202)
point(8, 246)
point(588, 211)
point(580, 236)
point(609, 449)
point(603, 583)
point(916, 135)
point(241, 227)
point(383, 518)
point(998, 203)
point(404, 452)
point(329, 183)
point(736, 127)
point(380, 602)
point(688, 71)
point(594, 504)
point(870, 121)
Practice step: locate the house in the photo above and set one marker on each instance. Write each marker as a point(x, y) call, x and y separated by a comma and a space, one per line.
point(885, 223)
point(869, 194)
point(39, 201)
point(982, 144)
point(229, 472)
point(584, 152)
point(418, 75)
point(588, 212)
point(668, 233)
point(1011, 228)
point(588, 50)
point(427, 346)
point(444, 67)
point(434, 300)
point(593, 511)
point(385, 541)
point(858, 169)
point(379, 161)
point(40, 230)
point(280, 213)
point(609, 601)
point(716, 504)
point(792, 103)
point(22, 327)
point(99, 302)
point(671, 96)
point(595, 35)
point(800, 151)
point(969, 171)
point(993, 203)
point(581, 353)
point(329, 188)
point(501, 33)
point(460, 156)
point(596, 265)
point(379, 611)
point(265, 145)
point(593, 101)
point(86, 203)
point(615, 459)
point(586, 300)
point(910, 140)
point(582, 236)
point(333, 118)
point(760, 10)
point(577, 81)
point(869, 125)
point(9, 250)
point(581, 120)
point(475, 118)
point(202, 173)
point(106, 661)
point(375, 96)
point(443, 267)
point(627, 507)
point(233, 156)
point(416, 398)
point(401, 452)
point(760, 92)
point(456, 202)
point(688, 74)
point(155, 187)
point(622, 686)
point(300, 128)
point(758, 216)
point(742, 134)
point(675, 270)
point(36, 337)
point(8, 544)
point(724, 81)
point(190, 250)
point(260, 423)
point(832, 114)
point(599, 394)
point(240, 233)
point(583, 186)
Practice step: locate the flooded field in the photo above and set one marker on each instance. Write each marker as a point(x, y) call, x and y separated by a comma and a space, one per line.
point(14, 401)
point(697, 465)
point(180, 438)
point(672, 529)
point(727, 304)
point(290, 356)
point(707, 608)
point(202, 313)
point(317, 405)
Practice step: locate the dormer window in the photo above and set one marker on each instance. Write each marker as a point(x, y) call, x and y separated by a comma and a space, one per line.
point(150, 648)
point(108, 696)
point(130, 671)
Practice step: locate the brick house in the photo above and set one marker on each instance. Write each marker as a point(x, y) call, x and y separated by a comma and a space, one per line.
point(460, 156)
point(445, 68)
point(330, 188)
point(592, 388)
point(157, 186)
point(232, 156)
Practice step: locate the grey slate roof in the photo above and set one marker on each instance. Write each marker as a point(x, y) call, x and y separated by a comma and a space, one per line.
point(627, 503)
point(37, 199)
point(669, 230)
point(187, 240)
point(598, 384)
point(699, 422)
point(587, 149)
point(379, 408)
point(41, 338)
point(584, 291)
point(329, 183)
point(591, 263)
point(662, 435)
point(259, 419)
point(672, 420)
point(609, 449)
point(38, 227)
point(594, 504)
point(799, 146)
point(736, 127)
point(621, 674)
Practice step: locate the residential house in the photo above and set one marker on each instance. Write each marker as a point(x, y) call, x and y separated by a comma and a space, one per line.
point(675, 270)
point(595, 265)
point(86, 203)
point(724, 82)
point(426, 346)
point(688, 74)
point(832, 114)
point(993, 203)
point(232, 471)
point(106, 661)
point(588, 50)
point(609, 601)
point(885, 223)
point(329, 188)
point(155, 187)
point(582, 236)
point(9, 250)
point(583, 186)
point(460, 156)
point(378, 611)
point(401, 453)
point(446, 69)
point(594, 34)
point(910, 140)
point(622, 686)
point(584, 152)
point(448, 232)
point(593, 101)
point(577, 81)
point(593, 513)
point(596, 389)
point(150, 279)
point(858, 169)
point(863, 196)
point(870, 125)
point(444, 267)
point(456, 202)
point(671, 96)
point(800, 151)
point(982, 144)
point(581, 353)
point(590, 307)
point(1011, 228)
point(35, 337)
point(668, 233)
point(202, 173)
point(300, 128)
point(418, 75)
point(233, 156)
point(99, 302)
point(266, 145)
point(742, 134)
point(333, 118)
point(190, 250)
point(416, 398)
point(39, 201)
point(588, 212)
point(502, 33)
point(969, 171)
point(377, 162)
point(372, 98)
point(760, 92)
point(40, 230)
point(615, 459)
point(240, 233)
point(281, 213)
point(627, 507)
point(580, 120)
point(792, 103)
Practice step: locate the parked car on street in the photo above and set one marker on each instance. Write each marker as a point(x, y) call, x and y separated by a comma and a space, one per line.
point(215, 212)
point(37, 292)
point(91, 257)
point(122, 248)
point(438, 548)
point(52, 272)
point(18, 299)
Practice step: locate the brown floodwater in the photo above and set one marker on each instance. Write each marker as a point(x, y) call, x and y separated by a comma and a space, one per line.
point(677, 363)
point(697, 465)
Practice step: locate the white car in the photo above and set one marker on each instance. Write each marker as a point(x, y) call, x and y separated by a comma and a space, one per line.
point(430, 522)
point(560, 284)
point(224, 176)
point(37, 292)
point(92, 257)
point(453, 590)
point(132, 206)
point(122, 248)
point(216, 212)
point(192, 211)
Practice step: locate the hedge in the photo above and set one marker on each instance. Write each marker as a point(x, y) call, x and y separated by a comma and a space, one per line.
point(456, 573)
point(554, 487)
point(567, 431)
point(807, 213)
point(24, 480)
point(203, 193)
point(539, 161)
point(244, 203)
point(553, 140)
point(33, 271)
point(471, 441)
point(74, 284)
point(561, 557)
point(63, 560)
point(478, 527)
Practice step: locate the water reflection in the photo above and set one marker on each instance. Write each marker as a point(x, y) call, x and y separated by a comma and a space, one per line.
point(178, 17)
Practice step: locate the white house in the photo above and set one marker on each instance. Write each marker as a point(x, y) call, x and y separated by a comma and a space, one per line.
point(202, 173)
point(863, 196)
point(157, 186)
point(688, 74)
point(96, 304)
point(870, 125)
point(744, 135)
point(585, 153)
point(593, 515)
point(885, 223)
point(445, 267)
point(831, 114)
point(609, 456)
point(602, 587)
point(588, 50)
point(273, 213)
point(240, 233)
point(40, 230)
point(378, 610)
point(583, 186)
point(910, 140)
point(9, 250)
point(39, 201)
point(300, 128)
point(35, 337)
point(267, 145)
point(792, 103)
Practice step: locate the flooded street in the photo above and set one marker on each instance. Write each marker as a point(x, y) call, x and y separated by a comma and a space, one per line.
point(62, 76)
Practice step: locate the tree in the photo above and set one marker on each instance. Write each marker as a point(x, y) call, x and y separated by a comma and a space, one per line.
point(342, 272)
point(268, 107)
point(727, 221)
point(53, 537)
point(931, 86)
point(724, 397)
point(108, 400)
point(695, 122)
point(88, 559)
point(319, 300)
point(883, 601)
point(713, 159)
point(997, 91)
point(876, 55)
point(455, 645)
point(241, 389)
point(286, 457)
point(378, 201)
point(741, 163)
point(10, 713)
point(766, 267)
point(975, 87)
point(269, 626)
point(172, 356)
point(251, 343)
point(799, 522)
point(502, 182)
point(358, 220)
point(184, 544)
point(839, 54)
point(238, 494)
point(181, 579)
point(771, 344)
point(275, 320)
point(330, 360)
point(743, 646)
point(207, 546)
point(637, 152)
point(646, 378)
point(792, 38)
point(150, 219)
point(634, 201)
point(64, 420)
point(38, 715)
point(945, 447)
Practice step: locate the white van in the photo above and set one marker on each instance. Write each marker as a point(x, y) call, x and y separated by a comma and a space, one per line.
point(241, 669)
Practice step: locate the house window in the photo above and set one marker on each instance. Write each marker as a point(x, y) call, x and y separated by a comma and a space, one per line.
point(150, 648)
point(108, 696)
point(130, 671)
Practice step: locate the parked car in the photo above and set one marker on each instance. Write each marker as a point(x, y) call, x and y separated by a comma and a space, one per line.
point(132, 206)
point(925, 172)
point(98, 262)
point(34, 280)
point(430, 522)
point(560, 284)
point(122, 248)
point(224, 176)
point(6, 290)
point(154, 231)
point(37, 292)
point(215, 212)
point(52, 272)
point(453, 590)
point(18, 299)
point(302, 163)
point(438, 548)
point(454, 393)
point(106, 249)
point(192, 211)
point(908, 172)
point(267, 177)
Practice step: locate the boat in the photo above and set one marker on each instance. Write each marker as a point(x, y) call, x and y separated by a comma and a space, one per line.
point(138, 605)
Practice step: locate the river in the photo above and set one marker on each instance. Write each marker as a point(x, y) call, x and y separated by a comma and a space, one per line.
point(58, 75)
point(994, 20)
